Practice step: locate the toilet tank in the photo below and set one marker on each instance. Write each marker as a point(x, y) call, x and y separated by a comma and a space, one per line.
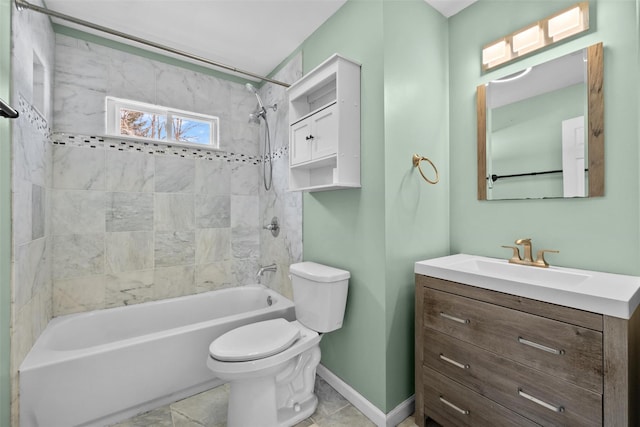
point(319, 295)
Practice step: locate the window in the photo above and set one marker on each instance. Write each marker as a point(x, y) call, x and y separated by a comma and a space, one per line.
point(126, 118)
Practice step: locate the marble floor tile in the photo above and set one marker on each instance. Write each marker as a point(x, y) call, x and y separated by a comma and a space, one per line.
point(306, 423)
point(329, 400)
point(348, 416)
point(180, 420)
point(160, 417)
point(409, 422)
point(209, 409)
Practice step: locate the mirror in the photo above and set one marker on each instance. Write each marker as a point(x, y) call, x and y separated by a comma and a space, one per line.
point(541, 130)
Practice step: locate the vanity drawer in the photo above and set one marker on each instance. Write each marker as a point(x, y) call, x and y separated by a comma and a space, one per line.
point(451, 404)
point(509, 383)
point(556, 348)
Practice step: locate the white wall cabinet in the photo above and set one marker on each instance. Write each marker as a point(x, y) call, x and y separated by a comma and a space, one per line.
point(324, 118)
point(315, 137)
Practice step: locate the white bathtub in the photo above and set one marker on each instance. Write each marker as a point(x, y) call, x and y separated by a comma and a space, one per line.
point(97, 368)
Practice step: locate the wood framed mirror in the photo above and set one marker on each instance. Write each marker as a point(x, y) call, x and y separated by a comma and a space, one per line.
point(541, 130)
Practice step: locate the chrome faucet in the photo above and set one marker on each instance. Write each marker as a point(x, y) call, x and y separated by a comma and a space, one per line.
point(528, 259)
point(272, 267)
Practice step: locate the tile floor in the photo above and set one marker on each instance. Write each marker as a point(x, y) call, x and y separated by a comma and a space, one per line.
point(209, 409)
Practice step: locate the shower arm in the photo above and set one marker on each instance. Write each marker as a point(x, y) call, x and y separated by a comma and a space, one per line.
point(23, 4)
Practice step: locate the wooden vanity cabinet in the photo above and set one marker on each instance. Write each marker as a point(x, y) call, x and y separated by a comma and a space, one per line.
point(486, 358)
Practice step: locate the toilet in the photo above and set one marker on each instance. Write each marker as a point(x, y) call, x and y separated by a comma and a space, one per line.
point(271, 365)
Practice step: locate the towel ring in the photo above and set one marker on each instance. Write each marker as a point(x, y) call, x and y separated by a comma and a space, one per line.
point(416, 164)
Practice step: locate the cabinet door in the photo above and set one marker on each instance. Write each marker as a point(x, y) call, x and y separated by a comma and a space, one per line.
point(325, 133)
point(300, 142)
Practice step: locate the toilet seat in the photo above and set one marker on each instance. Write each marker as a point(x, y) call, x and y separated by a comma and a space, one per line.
point(255, 341)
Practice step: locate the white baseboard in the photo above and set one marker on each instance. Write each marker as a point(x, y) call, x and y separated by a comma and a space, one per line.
point(401, 412)
point(379, 418)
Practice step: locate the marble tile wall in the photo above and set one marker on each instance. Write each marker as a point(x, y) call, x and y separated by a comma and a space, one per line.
point(100, 223)
point(31, 285)
point(130, 226)
point(278, 201)
point(134, 222)
point(86, 72)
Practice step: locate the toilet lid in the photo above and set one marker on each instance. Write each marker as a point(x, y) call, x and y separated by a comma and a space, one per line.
point(254, 341)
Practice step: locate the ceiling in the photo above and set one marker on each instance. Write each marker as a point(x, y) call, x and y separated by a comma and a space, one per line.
point(251, 35)
point(449, 7)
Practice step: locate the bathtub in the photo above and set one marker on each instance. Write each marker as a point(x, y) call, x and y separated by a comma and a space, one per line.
point(100, 367)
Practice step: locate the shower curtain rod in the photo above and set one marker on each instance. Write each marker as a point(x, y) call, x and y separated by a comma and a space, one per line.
point(23, 4)
point(7, 111)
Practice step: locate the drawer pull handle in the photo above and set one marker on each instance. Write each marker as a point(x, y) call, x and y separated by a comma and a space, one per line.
point(540, 346)
point(452, 406)
point(540, 402)
point(453, 362)
point(455, 319)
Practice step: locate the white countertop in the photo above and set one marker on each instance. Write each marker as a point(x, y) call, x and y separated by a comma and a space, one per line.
point(605, 293)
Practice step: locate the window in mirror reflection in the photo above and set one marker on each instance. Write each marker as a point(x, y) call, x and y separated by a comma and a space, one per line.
point(535, 136)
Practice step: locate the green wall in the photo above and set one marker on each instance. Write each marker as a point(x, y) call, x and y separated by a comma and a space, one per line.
point(379, 231)
point(345, 228)
point(598, 233)
point(5, 214)
point(419, 76)
point(416, 213)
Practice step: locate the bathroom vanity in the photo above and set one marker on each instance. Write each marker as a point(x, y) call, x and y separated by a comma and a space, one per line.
point(504, 345)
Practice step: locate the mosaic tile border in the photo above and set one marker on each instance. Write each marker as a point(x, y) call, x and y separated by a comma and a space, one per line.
point(279, 153)
point(34, 117)
point(115, 143)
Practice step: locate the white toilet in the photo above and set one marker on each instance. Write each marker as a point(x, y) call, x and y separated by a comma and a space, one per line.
point(271, 365)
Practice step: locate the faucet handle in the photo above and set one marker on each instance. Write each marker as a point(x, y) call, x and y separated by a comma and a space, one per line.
point(540, 261)
point(516, 253)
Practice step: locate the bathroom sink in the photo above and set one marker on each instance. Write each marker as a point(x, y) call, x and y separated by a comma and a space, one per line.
point(549, 277)
point(599, 292)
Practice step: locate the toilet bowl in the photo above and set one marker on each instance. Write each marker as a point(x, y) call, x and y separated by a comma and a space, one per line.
point(271, 365)
point(274, 390)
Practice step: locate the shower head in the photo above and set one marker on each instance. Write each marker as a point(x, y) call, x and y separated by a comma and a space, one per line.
point(261, 110)
point(252, 89)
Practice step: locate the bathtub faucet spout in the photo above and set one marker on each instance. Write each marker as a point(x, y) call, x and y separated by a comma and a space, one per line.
point(271, 267)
